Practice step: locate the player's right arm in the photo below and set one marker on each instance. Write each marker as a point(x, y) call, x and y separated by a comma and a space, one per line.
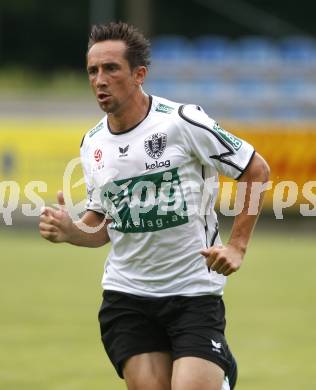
point(57, 226)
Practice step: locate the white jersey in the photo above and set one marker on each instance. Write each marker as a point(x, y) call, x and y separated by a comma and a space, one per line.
point(158, 183)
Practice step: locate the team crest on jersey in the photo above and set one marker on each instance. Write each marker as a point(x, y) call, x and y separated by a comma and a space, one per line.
point(155, 145)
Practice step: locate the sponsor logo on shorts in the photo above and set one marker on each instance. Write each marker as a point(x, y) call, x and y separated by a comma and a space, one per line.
point(216, 347)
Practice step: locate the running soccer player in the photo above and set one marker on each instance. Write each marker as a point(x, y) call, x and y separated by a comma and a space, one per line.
point(151, 167)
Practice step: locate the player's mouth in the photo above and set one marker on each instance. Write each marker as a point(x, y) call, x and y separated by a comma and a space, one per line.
point(103, 97)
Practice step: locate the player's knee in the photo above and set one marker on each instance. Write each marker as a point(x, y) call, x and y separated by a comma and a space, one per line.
point(152, 382)
point(148, 371)
point(191, 373)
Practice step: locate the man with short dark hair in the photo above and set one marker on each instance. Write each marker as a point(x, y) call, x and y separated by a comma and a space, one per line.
point(149, 164)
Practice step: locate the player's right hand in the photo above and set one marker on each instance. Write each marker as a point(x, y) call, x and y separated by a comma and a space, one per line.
point(55, 224)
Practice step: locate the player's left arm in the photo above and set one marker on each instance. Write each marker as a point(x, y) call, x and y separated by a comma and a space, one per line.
point(228, 259)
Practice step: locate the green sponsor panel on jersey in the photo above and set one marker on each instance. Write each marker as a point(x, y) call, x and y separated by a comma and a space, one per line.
point(164, 108)
point(228, 137)
point(146, 203)
point(96, 129)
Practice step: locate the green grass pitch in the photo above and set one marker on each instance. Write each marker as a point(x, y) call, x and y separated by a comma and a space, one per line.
point(50, 294)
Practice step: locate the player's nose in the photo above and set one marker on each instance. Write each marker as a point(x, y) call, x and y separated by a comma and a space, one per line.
point(101, 80)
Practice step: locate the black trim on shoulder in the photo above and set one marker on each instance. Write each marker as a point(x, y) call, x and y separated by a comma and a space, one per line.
point(181, 114)
point(137, 124)
point(82, 140)
point(220, 157)
point(248, 163)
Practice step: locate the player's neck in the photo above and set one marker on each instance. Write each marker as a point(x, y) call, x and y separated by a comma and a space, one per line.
point(134, 111)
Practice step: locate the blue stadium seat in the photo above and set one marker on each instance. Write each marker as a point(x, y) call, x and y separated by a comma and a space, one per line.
point(257, 50)
point(300, 92)
point(171, 48)
point(160, 87)
point(254, 78)
point(291, 87)
point(254, 89)
point(213, 48)
point(299, 49)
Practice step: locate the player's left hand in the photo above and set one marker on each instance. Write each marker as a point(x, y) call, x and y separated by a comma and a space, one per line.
point(223, 259)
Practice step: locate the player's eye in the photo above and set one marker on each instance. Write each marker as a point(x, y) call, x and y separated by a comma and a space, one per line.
point(111, 67)
point(92, 71)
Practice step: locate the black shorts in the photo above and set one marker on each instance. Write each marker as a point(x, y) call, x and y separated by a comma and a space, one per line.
point(183, 326)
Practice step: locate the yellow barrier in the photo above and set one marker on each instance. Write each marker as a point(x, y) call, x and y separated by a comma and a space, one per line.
point(40, 150)
point(290, 151)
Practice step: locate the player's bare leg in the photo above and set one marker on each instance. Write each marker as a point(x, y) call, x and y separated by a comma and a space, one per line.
point(192, 373)
point(148, 371)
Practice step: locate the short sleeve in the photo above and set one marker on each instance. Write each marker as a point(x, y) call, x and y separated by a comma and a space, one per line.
point(213, 145)
point(93, 196)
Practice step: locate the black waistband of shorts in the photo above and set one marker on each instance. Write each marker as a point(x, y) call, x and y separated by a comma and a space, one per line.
point(150, 297)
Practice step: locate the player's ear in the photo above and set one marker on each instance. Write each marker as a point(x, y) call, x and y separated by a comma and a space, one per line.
point(140, 73)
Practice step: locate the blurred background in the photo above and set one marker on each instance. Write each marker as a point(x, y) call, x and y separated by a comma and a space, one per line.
point(251, 64)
